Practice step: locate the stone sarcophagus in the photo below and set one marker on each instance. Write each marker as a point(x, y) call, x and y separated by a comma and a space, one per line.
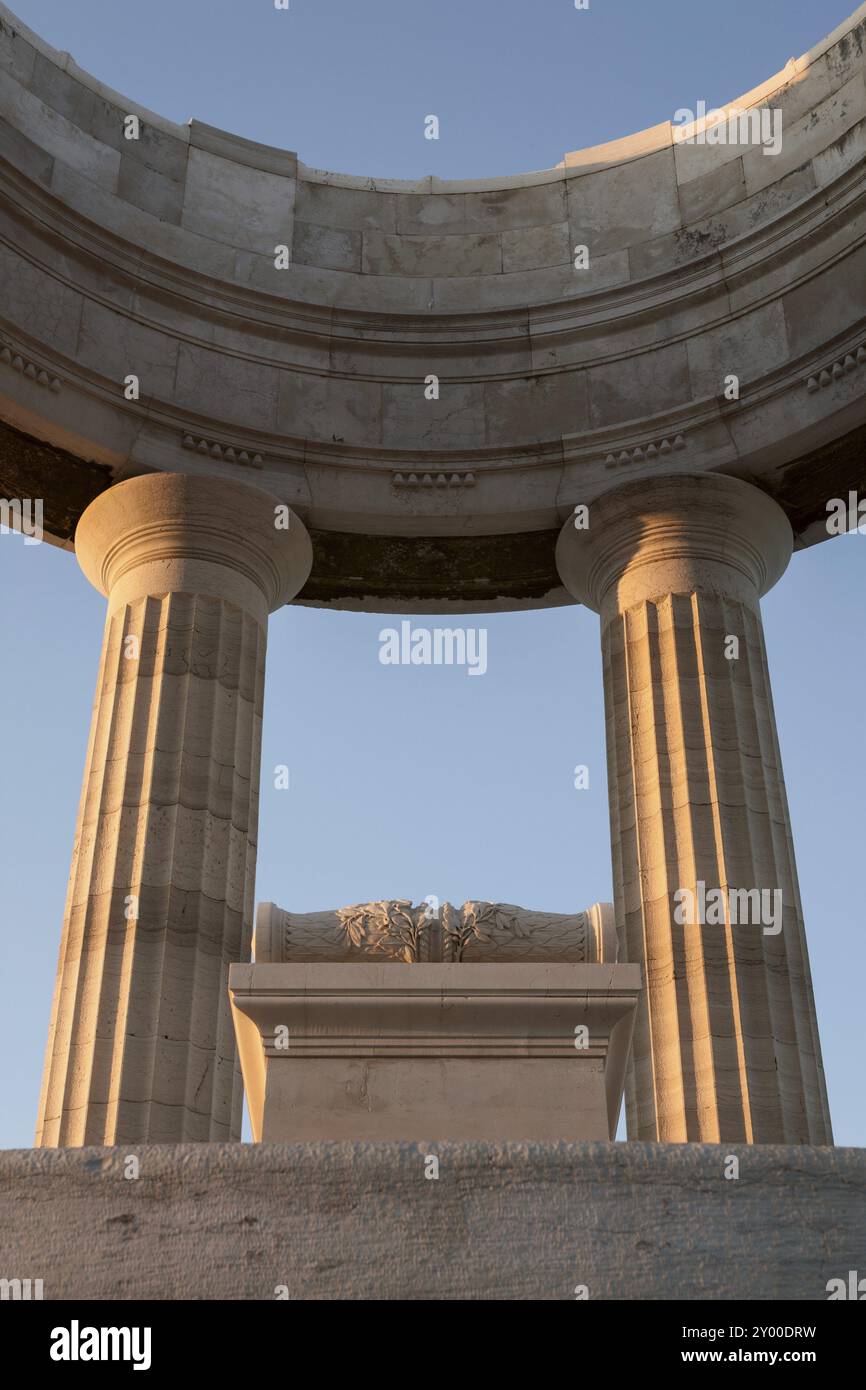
point(390, 1021)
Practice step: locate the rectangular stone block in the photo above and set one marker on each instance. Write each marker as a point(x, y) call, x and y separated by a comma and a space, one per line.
point(848, 54)
point(534, 247)
point(17, 56)
point(818, 309)
point(421, 214)
point(748, 347)
point(400, 294)
point(455, 421)
point(431, 255)
point(712, 192)
point(516, 209)
point(628, 203)
point(678, 248)
point(229, 386)
point(116, 346)
point(61, 92)
point(160, 152)
point(451, 1052)
point(325, 205)
point(332, 247)
point(267, 158)
point(808, 136)
point(24, 155)
point(660, 378)
point(838, 158)
point(536, 407)
point(549, 284)
point(152, 192)
point(315, 407)
point(58, 136)
point(48, 307)
point(200, 253)
point(236, 204)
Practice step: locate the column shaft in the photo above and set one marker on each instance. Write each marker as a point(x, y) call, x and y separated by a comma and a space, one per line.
point(160, 899)
point(726, 1042)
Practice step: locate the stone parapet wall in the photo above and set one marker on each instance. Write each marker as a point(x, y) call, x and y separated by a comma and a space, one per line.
point(501, 1221)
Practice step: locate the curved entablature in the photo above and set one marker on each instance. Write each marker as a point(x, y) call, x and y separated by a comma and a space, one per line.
point(434, 373)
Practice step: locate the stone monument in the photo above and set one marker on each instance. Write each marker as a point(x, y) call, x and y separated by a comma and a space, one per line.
point(212, 368)
point(387, 1020)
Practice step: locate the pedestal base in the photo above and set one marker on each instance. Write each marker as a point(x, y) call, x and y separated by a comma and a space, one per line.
point(458, 1052)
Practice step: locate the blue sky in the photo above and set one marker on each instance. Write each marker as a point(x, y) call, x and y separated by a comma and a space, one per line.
point(407, 781)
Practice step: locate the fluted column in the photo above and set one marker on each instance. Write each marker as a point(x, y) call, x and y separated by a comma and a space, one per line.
point(726, 1043)
point(160, 899)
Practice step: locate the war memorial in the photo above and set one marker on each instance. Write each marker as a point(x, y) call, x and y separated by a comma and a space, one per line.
point(634, 381)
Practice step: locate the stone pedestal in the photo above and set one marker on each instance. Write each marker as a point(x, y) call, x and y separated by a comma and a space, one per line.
point(439, 1052)
point(160, 895)
point(726, 1040)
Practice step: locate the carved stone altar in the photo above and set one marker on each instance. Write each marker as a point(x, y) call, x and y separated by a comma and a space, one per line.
point(392, 1020)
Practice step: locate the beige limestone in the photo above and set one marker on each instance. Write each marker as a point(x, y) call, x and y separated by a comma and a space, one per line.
point(397, 930)
point(503, 1222)
point(726, 1042)
point(161, 888)
point(156, 257)
point(390, 1051)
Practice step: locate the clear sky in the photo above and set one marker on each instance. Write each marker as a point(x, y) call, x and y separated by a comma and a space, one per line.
point(407, 781)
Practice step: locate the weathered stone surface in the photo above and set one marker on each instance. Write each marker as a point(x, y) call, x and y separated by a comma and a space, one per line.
point(333, 247)
point(695, 251)
point(415, 573)
point(160, 895)
point(503, 1221)
point(726, 1042)
point(233, 203)
point(397, 930)
point(483, 1050)
point(626, 204)
point(149, 190)
point(25, 464)
point(534, 247)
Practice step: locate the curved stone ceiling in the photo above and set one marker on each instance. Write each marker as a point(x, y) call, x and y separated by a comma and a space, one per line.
point(158, 258)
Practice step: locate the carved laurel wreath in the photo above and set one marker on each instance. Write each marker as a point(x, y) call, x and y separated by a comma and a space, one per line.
point(397, 930)
point(392, 929)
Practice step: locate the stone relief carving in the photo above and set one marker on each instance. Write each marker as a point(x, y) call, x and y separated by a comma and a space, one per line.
point(10, 358)
point(232, 454)
point(397, 930)
point(646, 453)
point(392, 929)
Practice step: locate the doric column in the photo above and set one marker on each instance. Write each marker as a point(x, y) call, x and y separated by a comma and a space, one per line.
point(726, 1043)
point(160, 899)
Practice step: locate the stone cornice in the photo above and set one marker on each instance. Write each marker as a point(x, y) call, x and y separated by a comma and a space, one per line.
point(591, 443)
point(530, 1011)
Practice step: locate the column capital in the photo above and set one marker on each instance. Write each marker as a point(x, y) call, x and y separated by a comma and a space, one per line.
point(175, 532)
point(675, 534)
